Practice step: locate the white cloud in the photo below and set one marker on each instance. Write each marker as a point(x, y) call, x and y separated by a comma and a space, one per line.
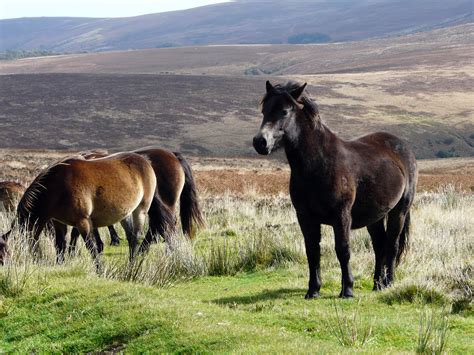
point(93, 8)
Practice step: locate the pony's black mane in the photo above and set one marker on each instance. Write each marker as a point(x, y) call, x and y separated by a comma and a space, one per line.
point(310, 107)
point(27, 204)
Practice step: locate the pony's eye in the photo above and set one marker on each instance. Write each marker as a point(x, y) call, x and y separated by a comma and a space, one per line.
point(286, 111)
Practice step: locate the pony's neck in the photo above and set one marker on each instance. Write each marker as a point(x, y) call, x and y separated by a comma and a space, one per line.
point(309, 151)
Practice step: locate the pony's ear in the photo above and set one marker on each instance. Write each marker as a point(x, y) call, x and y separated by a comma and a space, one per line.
point(269, 87)
point(298, 91)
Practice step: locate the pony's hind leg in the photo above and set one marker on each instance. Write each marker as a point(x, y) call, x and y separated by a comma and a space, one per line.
point(378, 236)
point(150, 237)
point(162, 222)
point(395, 224)
point(73, 242)
point(133, 226)
point(342, 229)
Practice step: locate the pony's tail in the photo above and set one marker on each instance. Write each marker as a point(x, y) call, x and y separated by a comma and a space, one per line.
point(162, 221)
point(403, 242)
point(190, 211)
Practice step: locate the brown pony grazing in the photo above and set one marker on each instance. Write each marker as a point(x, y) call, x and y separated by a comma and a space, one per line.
point(10, 194)
point(344, 184)
point(114, 237)
point(175, 183)
point(88, 194)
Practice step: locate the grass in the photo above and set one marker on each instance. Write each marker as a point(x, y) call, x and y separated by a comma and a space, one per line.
point(350, 330)
point(240, 288)
point(433, 330)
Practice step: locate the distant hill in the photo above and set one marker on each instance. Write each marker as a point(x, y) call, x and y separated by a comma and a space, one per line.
point(238, 22)
point(441, 47)
point(205, 100)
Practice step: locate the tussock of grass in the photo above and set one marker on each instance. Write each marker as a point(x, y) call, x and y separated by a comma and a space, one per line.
point(412, 293)
point(433, 331)
point(351, 330)
point(161, 267)
point(251, 254)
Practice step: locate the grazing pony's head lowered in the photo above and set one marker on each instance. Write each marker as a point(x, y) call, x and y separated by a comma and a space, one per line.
point(284, 108)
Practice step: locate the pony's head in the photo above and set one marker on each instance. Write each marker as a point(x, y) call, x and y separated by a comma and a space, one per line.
point(282, 106)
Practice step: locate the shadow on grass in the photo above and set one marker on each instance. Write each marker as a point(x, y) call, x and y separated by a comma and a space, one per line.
point(269, 295)
point(265, 295)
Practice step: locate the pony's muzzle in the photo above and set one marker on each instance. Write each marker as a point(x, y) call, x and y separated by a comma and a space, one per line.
point(260, 145)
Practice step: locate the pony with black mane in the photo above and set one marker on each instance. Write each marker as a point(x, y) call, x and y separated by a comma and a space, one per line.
point(367, 182)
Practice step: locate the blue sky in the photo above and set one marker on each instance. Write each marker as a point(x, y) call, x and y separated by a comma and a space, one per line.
point(93, 8)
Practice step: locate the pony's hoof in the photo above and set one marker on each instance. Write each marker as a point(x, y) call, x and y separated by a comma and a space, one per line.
point(378, 287)
point(311, 294)
point(346, 294)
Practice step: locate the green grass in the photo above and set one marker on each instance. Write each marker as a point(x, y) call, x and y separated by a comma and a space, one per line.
point(262, 311)
point(240, 288)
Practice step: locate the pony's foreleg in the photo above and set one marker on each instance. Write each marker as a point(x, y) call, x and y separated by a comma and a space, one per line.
point(33, 239)
point(98, 241)
point(342, 229)
point(378, 236)
point(60, 231)
point(312, 238)
point(86, 230)
point(114, 237)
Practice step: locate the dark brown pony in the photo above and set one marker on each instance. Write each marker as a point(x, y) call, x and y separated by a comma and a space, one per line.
point(344, 184)
point(175, 185)
point(10, 194)
point(88, 194)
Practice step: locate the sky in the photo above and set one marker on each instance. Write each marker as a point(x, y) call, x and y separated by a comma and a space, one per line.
point(94, 8)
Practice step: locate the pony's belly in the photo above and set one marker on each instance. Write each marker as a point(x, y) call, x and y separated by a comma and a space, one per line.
point(107, 217)
point(364, 221)
point(368, 212)
point(109, 211)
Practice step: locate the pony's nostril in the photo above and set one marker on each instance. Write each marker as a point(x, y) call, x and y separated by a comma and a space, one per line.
point(260, 145)
point(259, 142)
